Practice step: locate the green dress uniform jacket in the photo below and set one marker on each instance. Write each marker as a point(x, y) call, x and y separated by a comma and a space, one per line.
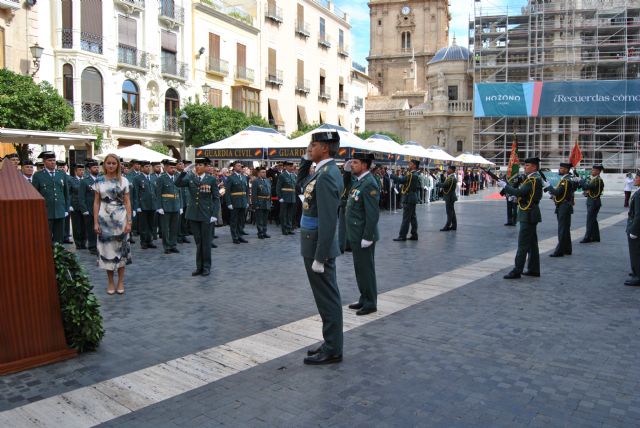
point(593, 189)
point(410, 187)
point(261, 194)
point(633, 228)
point(86, 197)
point(529, 195)
point(168, 194)
point(286, 187)
point(144, 194)
point(236, 189)
point(563, 196)
point(318, 242)
point(362, 214)
point(449, 196)
point(347, 180)
point(74, 192)
point(55, 191)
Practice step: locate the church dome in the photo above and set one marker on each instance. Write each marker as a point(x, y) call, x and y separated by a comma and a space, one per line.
point(451, 53)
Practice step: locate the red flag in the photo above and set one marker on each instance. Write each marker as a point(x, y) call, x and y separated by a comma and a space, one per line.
point(514, 160)
point(576, 155)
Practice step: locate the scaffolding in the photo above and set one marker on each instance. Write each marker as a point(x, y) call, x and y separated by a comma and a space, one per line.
point(558, 40)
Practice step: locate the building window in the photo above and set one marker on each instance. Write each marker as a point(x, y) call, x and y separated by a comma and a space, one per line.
point(130, 113)
point(91, 26)
point(406, 40)
point(1, 47)
point(215, 97)
point(379, 22)
point(171, 106)
point(246, 100)
point(168, 52)
point(459, 146)
point(322, 29)
point(92, 95)
point(453, 93)
point(67, 83)
point(67, 24)
point(341, 39)
point(128, 41)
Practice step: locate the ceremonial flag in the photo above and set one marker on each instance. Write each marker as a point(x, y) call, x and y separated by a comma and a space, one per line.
point(576, 155)
point(514, 161)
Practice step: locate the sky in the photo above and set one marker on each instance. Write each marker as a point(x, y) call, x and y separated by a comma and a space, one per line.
point(461, 11)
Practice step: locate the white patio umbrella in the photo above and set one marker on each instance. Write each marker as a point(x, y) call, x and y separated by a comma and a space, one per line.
point(138, 152)
point(252, 137)
point(471, 159)
point(347, 139)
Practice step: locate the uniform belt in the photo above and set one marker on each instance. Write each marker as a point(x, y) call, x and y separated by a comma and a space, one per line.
point(307, 222)
point(287, 190)
point(238, 194)
point(264, 197)
point(169, 195)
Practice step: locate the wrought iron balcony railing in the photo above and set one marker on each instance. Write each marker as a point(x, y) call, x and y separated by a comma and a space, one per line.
point(92, 113)
point(174, 68)
point(131, 56)
point(343, 99)
point(274, 13)
point(171, 12)
point(324, 94)
point(244, 73)
point(91, 42)
point(131, 4)
point(343, 50)
point(302, 29)
point(66, 35)
point(303, 86)
point(171, 123)
point(130, 119)
point(274, 77)
point(324, 41)
point(218, 66)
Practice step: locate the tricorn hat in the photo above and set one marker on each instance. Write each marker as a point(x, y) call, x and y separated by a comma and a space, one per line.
point(566, 165)
point(47, 155)
point(325, 137)
point(535, 161)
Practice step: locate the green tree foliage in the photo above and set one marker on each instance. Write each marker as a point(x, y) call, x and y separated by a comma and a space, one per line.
point(303, 129)
point(160, 148)
point(366, 134)
point(25, 104)
point(208, 124)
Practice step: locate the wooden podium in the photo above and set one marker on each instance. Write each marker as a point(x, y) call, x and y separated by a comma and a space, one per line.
point(31, 332)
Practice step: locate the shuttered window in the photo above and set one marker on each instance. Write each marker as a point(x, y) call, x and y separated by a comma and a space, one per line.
point(214, 46)
point(241, 55)
point(127, 31)
point(91, 17)
point(215, 97)
point(300, 73)
point(169, 41)
point(272, 62)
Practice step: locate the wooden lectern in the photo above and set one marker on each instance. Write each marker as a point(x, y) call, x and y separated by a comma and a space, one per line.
point(31, 332)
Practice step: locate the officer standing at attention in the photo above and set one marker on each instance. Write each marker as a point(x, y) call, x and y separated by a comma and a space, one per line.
point(529, 194)
point(347, 182)
point(410, 189)
point(77, 220)
point(512, 201)
point(170, 207)
point(593, 188)
point(145, 204)
point(52, 185)
point(318, 243)
point(235, 197)
point(61, 165)
point(184, 198)
point(26, 167)
point(563, 198)
point(204, 203)
point(86, 199)
point(362, 214)
point(286, 192)
point(450, 198)
point(633, 234)
point(133, 172)
point(261, 199)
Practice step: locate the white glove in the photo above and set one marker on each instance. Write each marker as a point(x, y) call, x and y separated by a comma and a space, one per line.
point(213, 220)
point(85, 213)
point(139, 210)
point(160, 211)
point(347, 166)
point(365, 244)
point(66, 214)
point(546, 184)
point(633, 236)
point(502, 184)
point(281, 200)
point(230, 206)
point(133, 214)
point(70, 209)
point(181, 211)
point(576, 179)
point(317, 267)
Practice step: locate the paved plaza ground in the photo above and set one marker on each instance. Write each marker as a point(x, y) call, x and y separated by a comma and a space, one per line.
point(452, 345)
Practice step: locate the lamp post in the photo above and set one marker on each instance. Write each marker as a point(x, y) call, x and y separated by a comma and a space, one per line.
point(184, 118)
point(36, 53)
point(205, 93)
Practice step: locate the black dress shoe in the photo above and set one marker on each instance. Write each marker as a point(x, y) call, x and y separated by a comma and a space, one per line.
point(322, 358)
point(186, 241)
point(205, 272)
point(260, 237)
point(512, 275)
point(399, 239)
point(453, 228)
point(213, 245)
point(508, 224)
point(445, 229)
point(68, 241)
point(632, 282)
point(132, 241)
point(527, 273)
point(266, 236)
point(93, 252)
point(314, 351)
point(356, 305)
point(348, 250)
point(556, 255)
point(243, 233)
point(244, 241)
point(235, 241)
point(196, 273)
point(586, 241)
point(167, 251)
point(144, 247)
point(366, 311)
point(174, 250)
point(413, 238)
point(152, 246)
point(567, 253)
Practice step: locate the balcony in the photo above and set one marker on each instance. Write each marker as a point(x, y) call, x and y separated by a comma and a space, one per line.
point(92, 113)
point(302, 29)
point(244, 74)
point(274, 77)
point(274, 13)
point(9, 4)
point(358, 103)
point(130, 119)
point(303, 86)
point(171, 124)
point(91, 42)
point(130, 57)
point(66, 38)
point(171, 13)
point(343, 51)
point(343, 99)
point(324, 94)
point(131, 5)
point(218, 67)
point(173, 68)
point(324, 41)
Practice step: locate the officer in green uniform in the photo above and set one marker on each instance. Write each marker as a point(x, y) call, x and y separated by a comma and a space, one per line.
point(362, 214)
point(133, 172)
point(184, 198)
point(318, 243)
point(170, 207)
point(86, 199)
point(261, 200)
point(204, 202)
point(410, 194)
point(633, 234)
point(62, 166)
point(156, 172)
point(593, 188)
point(449, 196)
point(347, 181)
point(52, 185)
point(529, 194)
point(77, 220)
point(145, 204)
point(563, 197)
point(286, 192)
point(235, 198)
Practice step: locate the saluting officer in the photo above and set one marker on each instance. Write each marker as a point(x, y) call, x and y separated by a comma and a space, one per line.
point(261, 199)
point(361, 218)
point(85, 200)
point(235, 197)
point(410, 187)
point(77, 220)
point(563, 198)
point(318, 243)
point(170, 207)
point(52, 185)
point(450, 198)
point(286, 192)
point(529, 194)
point(204, 203)
point(593, 188)
point(145, 204)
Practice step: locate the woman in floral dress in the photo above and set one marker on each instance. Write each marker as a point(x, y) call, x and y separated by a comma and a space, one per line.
point(112, 222)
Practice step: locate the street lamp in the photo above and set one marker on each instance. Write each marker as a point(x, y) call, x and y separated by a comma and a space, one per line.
point(36, 53)
point(205, 92)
